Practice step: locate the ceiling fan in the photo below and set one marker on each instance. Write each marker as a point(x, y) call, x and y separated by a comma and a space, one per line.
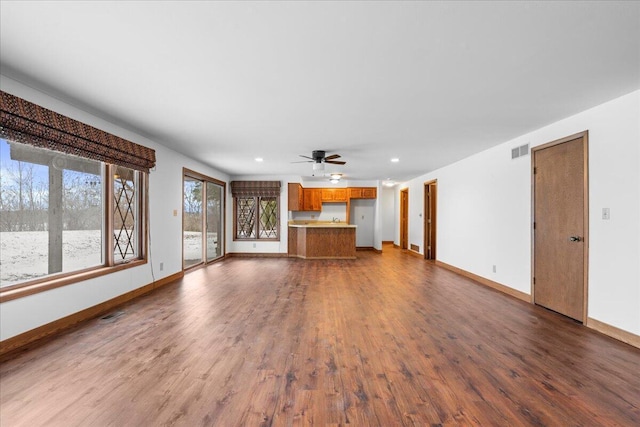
point(319, 158)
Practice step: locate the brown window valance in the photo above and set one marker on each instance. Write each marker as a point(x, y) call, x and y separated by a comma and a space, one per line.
point(28, 123)
point(255, 188)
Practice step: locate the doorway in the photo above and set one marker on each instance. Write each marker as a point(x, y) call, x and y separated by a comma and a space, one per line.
point(404, 218)
point(202, 219)
point(430, 203)
point(560, 226)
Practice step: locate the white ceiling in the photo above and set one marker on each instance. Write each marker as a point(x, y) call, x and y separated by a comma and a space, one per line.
point(225, 82)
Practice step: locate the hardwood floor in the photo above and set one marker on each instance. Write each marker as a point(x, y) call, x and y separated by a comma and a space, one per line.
point(384, 340)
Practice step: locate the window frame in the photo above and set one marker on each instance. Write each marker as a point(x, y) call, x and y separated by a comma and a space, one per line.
point(257, 202)
point(110, 264)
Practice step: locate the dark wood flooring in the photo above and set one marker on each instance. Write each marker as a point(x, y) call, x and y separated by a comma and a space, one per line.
point(385, 340)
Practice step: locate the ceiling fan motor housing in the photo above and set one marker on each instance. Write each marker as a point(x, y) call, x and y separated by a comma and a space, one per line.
point(318, 155)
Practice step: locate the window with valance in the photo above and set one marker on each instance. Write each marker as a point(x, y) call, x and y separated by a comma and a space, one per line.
point(256, 207)
point(73, 199)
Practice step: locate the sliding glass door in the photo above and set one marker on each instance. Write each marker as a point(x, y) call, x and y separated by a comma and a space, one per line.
point(215, 199)
point(203, 224)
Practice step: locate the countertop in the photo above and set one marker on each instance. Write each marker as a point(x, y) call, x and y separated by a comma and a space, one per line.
point(320, 224)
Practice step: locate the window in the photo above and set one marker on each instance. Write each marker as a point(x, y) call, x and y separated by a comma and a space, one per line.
point(256, 210)
point(127, 212)
point(52, 214)
point(198, 247)
point(72, 200)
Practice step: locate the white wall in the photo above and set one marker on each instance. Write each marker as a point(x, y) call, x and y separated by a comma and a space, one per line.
point(387, 215)
point(165, 195)
point(484, 210)
point(328, 213)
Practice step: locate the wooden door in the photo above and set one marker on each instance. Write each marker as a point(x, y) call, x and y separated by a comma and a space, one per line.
point(560, 226)
point(430, 191)
point(404, 218)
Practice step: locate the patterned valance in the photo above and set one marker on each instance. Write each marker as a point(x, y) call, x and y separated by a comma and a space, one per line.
point(255, 188)
point(28, 123)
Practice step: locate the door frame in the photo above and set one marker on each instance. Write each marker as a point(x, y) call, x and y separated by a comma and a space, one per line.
point(431, 188)
point(404, 219)
point(585, 210)
point(197, 176)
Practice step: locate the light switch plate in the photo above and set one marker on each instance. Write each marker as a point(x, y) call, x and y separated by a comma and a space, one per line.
point(606, 213)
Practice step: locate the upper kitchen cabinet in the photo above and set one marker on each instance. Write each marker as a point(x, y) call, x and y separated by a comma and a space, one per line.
point(312, 199)
point(304, 199)
point(363, 192)
point(296, 199)
point(334, 195)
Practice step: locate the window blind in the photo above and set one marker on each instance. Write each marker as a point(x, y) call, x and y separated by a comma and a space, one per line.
point(255, 188)
point(28, 123)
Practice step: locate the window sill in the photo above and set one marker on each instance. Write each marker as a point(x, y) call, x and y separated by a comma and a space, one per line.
point(23, 290)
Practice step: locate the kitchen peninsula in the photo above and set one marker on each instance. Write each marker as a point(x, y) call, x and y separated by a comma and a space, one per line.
point(322, 240)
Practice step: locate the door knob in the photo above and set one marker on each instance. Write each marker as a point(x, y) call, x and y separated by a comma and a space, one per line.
point(575, 239)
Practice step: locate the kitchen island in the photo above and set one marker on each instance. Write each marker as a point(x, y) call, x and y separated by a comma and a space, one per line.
point(322, 240)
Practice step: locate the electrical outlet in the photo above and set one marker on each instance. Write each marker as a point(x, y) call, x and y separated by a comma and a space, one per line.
point(254, 245)
point(606, 214)
point(175, 212)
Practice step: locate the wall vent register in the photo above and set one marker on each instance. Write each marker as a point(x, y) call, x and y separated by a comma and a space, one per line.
point(520, 151)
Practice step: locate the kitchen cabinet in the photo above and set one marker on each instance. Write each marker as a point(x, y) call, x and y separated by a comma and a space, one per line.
point(312, 199)
point(363, 193)
point(322, 241)
point(296, 199)
point(334, 195)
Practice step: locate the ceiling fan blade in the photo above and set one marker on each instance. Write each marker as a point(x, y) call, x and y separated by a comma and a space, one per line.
point(307, 157)
point(332, 157)
point(335, 162)
point(304, 161)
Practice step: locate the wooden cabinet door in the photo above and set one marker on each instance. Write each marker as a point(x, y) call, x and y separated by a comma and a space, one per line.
point(355, 193)
point(362, 193)
point(295, 197)
point(369, 193)
point(327, 194)
point(334, 194)
point(340, 195)
point(312, 199)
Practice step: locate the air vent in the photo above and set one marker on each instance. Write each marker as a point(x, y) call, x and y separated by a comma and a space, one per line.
point(112, 317)
point(523, 150)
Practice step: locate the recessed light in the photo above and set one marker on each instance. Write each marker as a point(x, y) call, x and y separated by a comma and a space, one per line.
point(259, 159)
point(395, 160)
